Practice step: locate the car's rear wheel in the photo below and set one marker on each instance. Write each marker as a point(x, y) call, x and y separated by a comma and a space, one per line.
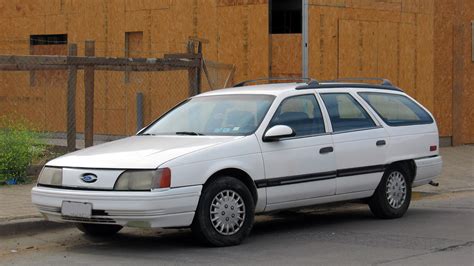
point(393, 195)
point(225, 213)
point(99, 229)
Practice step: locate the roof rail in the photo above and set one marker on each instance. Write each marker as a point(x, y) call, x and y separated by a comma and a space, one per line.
point(307, 80)
point(383, 81)
point(338, 83)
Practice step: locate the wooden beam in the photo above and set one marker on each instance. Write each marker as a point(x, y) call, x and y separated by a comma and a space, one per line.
point(71, 101)
point(89, 96)
point(23, 61)
point(181, 56)
point(32, 67)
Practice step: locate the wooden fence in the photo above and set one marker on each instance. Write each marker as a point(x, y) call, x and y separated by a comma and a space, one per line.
point(191, 61)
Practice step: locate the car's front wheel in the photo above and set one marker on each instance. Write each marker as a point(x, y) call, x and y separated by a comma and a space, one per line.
point(393, 195)
point(98, 229)
point(225, 213)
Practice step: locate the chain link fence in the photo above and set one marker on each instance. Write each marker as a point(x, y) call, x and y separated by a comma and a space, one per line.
point(52, 93)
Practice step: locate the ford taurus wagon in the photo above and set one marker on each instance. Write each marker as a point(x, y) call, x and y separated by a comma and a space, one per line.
point(217, 159)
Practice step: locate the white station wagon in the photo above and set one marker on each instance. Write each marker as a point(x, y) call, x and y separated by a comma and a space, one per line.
point(217, 159)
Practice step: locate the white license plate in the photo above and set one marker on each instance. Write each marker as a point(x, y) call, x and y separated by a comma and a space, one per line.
point(76, 209)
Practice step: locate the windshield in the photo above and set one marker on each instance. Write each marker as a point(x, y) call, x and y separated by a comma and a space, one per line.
point(226, 115)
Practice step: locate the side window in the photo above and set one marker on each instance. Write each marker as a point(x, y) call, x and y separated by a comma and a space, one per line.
point(396, 110)
point(345, 112)
point(301, 113)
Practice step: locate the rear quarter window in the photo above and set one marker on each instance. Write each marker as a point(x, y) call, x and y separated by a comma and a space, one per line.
point(396, 110)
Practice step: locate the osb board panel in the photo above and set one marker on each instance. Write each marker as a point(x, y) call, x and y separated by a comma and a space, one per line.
point(115, 28)
point(424, 61)
point(207, 27)
point(146, 4)
point(367, 42)
point(388, 50)
point(407, 58)
point(412, 6)
point(468, 92)
point(55, 24)
point(323, 43)
point(258, 41)
point(240, 2)
point(181, 24)
point(357, 48)
point(443, 69)
point(233, 38)
point(160, 32)
point(25, 26)
point(286, 55)
point(21, 8)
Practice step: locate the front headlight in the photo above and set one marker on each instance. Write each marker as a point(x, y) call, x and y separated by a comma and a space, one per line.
point(144, 179)
point(51, 176)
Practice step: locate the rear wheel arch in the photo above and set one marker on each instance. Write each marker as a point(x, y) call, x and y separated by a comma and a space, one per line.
point(240, 175)
point(408, 166)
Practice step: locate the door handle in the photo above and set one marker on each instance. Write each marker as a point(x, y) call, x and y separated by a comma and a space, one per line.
point(326, 150)
point(380, 142)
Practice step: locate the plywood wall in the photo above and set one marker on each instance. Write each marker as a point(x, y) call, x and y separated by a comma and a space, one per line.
point(391, 39)
point(236, 30)
point(411, 42)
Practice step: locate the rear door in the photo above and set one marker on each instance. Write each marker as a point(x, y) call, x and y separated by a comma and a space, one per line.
point(359, 143)
point(301, 167)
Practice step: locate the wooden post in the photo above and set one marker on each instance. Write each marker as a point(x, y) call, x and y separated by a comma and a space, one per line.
point(71, 101)
point(199, 69)
point(192, 77)
point(89, 96)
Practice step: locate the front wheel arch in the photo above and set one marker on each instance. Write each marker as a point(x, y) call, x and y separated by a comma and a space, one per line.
point(238, 174)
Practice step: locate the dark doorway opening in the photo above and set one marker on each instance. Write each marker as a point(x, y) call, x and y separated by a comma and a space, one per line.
point(285, 16)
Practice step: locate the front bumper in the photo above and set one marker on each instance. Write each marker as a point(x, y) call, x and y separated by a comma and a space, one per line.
point(427, 169)
point(173, 207)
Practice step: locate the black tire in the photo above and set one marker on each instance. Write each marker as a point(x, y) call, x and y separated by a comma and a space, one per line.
point(205, 230)
point(380, 203)
point(99, 229)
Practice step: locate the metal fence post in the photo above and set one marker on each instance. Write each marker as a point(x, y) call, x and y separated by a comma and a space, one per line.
point(89, 96)
point(71, 101)
point(192, 78)
point(139, 111)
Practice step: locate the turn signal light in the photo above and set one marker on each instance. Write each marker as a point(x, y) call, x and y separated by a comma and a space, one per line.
point(165, 180)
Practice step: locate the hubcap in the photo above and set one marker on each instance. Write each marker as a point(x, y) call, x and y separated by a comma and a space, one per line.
point(227, 212)
point(396, 190)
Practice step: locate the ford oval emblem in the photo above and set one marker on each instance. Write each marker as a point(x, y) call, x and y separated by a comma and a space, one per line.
point(89, 178)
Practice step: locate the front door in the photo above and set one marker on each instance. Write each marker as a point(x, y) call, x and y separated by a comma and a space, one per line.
point(300, 167)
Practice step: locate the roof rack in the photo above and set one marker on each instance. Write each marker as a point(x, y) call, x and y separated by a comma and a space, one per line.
point(383, 81)
point(338, 83)
point(307, 80)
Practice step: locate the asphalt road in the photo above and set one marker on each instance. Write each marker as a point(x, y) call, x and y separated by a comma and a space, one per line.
point(437, 230)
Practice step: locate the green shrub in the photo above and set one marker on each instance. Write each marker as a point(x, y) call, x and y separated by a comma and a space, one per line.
point(19, 146)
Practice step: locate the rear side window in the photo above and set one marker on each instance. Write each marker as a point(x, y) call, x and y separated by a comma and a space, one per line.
point(396, 110)
point(302, 114)
point(346, 113)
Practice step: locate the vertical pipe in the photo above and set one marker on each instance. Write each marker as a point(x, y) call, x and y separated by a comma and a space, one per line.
point(304, 43)
point(89, 96)
point(139, 111)
point(71, 101)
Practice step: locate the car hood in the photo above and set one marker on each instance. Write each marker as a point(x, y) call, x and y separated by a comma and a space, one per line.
point(137, 152)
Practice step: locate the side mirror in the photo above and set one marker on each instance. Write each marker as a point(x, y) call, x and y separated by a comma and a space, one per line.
point(277, 132)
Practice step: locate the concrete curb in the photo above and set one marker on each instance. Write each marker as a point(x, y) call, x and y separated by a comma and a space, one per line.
point(29, 226)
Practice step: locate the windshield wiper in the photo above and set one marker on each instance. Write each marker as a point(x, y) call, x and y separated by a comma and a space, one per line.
point(147, 134)
point(191, 133)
